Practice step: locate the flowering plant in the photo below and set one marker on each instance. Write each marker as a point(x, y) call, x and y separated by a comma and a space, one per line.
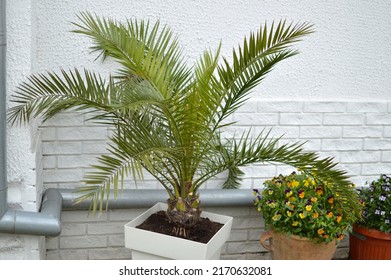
point(299, 204)
point(376, 200)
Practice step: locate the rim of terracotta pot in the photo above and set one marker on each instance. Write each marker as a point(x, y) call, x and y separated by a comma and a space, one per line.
point(374, 233)
point(297, 237)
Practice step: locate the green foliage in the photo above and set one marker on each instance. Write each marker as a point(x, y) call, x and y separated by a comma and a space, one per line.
point(168, 117)
point(302, 205)
point(376, 199)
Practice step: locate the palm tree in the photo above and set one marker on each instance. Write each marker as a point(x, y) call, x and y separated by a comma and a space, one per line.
point(167, 117)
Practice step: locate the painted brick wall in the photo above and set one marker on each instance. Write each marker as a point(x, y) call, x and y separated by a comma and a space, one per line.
point(356, 134)
point(97, 238)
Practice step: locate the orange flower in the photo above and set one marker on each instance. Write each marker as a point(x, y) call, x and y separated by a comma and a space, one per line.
point(330, 214)
point(316, 215)
point(340, 237)
point(314, 199)
point(320, 231)
point(330, 199)
point(301, 193)
point(319, 191)
point(339, 218)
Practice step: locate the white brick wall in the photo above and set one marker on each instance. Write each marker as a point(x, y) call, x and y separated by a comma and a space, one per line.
point(348, 131)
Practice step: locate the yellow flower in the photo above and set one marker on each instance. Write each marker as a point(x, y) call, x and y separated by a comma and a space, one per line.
point(320, 231)
point(295, 223)
point(289, 213)
point(326, 236)
point(292, 198)
point(313, 182)
point(306, 183)
point(295, 184)
point(302, 215)
point(308, 207)
point(314, 199)
point(316, 215)
point(276, 217)
point(290, 205)
point(270, 191)
point(330, 214)
point(272, 205)
point(288, 193)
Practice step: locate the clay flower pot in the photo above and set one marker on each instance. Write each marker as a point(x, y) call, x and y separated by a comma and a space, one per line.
point(292, 247)
point(369, 244)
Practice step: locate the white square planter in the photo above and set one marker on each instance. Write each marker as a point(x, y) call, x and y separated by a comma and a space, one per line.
point(150, 245)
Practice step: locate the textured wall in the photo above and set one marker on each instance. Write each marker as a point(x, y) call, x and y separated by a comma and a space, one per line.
point(24, 157)
point(347, 56)
point(320, 95)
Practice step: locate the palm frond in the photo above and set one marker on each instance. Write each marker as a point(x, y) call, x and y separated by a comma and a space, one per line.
point(264, 149)
point(46, 95)
point(254, 59)
point(151, 53)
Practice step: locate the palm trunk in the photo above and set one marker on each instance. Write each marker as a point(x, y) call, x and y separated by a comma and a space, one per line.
point(184, 213)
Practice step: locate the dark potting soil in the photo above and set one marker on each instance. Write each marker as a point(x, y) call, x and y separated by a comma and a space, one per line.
point(202, 232)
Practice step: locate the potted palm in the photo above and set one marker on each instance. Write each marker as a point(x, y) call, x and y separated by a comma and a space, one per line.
point(371, 236)
point(167, 117)
point(306, 217)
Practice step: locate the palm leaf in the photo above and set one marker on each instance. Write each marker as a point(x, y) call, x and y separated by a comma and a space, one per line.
point(253, 60)
point(150, 53)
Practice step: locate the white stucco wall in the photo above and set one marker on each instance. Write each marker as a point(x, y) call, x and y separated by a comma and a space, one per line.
point(24, 157)
point(347, 59)
point(348, 56)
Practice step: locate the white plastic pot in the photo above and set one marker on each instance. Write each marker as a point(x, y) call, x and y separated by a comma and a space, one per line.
point(147, 245)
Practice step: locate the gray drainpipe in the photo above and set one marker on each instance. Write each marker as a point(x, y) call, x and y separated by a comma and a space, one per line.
point(141, 198)
point(47, 221)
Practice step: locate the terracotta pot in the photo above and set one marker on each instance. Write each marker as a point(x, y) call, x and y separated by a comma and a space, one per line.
point(369, 244)
point(292, 247)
